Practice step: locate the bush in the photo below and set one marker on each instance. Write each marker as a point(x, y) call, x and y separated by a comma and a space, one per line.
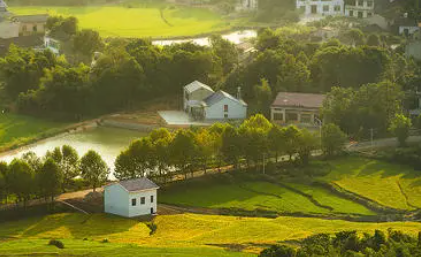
point(56, 243)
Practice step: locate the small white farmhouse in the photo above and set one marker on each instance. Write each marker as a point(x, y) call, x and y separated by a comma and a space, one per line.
point(131, 198)
point(202, 103)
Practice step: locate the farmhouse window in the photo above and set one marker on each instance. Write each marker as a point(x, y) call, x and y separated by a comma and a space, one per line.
point(226, 108)
point(325, 8)
point(142, 200)
point(151, 198)
point(134, 202)
point(226, 116)
point(278, 116)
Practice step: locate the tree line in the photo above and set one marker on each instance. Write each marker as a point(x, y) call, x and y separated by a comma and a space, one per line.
point(33, 177)
point(251, 144)
point(351, 244)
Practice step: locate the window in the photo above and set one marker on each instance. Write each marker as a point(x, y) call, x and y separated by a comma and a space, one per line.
point(337, 8)
point(325, 8)
point(151, 198)
point(360, 14)
point(369, 14)
point(306, 118)
point(152, 211)
point(351, 13)
point(35, 28)
point(291, 116)
point(278, 116)
point(370, 3)
point(225, 116)
point(142, 200)
point(134, 202)
point(226, 108)
point(360, 3)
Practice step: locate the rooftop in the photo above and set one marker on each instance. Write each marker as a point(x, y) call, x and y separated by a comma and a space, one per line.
point(195, 85)
point(31, 18)
point(139, 184)
point(218, 96)
point(299, 100)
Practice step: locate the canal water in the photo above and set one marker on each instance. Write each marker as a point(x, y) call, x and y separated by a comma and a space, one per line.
point(108, 142)
point(236, 37)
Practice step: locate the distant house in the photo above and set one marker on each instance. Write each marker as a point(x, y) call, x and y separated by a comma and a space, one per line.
point(131, 198)
point(333, 7)
point(301, 108)
point(247, 5)
point(31, 24)
point(359, 8)
point(202, 103)
point(413, 46)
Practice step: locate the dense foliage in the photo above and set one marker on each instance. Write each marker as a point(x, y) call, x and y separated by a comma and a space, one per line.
point(350, 244)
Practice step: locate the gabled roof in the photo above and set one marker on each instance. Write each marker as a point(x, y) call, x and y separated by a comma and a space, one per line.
point(220, 95)
point(31, 18)
point(299, 100)
point(195, 85)
point(138, 184)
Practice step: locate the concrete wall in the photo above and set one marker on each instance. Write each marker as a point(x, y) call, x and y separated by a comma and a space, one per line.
point(143, 209)
point(235, 110)
point(116, 200)
point(31, 28)
point(9, 29)
point(198, 95)
point(320, 9)
point(413, 49)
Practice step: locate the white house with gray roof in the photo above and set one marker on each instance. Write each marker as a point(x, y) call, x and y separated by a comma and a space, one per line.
point(202, 103)
point(131, 198)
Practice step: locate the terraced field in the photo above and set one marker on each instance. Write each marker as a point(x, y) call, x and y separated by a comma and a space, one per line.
point(388, 184)
point(176, 235)
point(137, 21)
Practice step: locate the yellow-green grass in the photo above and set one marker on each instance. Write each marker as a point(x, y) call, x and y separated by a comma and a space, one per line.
point(187, 230)
point(259, 195)
point(121, 21)
point(20, 129)
point(391, 185)
point(326, 198)
point(77, 247)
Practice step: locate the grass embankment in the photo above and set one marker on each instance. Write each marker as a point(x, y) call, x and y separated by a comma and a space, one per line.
point(388, 184)
point(18, 130)
point(184, 234)
point(138, 21)
point(265, 196)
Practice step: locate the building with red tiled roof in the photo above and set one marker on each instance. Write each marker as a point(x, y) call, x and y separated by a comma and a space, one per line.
point(296, 108)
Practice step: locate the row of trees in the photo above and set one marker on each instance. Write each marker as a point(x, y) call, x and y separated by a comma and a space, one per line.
point(350, 244)
point(31, 177)
point(252, 143)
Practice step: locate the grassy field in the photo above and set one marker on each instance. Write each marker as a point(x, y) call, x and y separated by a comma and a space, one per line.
point(183, 233)
point(138, 21)
point(388, 184)
point(19, 129)
point(259, 195)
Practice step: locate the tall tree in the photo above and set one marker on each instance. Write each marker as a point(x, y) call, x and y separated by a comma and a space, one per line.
point(333, 139)
point(182, 150)
point(400, 126)
point(3, 182)
point(22, 180)
point(50, 179)
point(94, 169)
point(69, 164)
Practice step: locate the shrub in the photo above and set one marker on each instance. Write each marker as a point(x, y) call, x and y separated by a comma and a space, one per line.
point(56, 243)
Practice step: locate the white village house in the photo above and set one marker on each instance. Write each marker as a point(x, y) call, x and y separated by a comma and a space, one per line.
point(202, 103)
point(131, 198)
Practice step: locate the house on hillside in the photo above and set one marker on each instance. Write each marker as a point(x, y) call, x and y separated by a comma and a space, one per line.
point(31, 24)
point(359, 8)
point(302, 108)
point(202, 103)
point(131, 198)
point(321, 7)
point(413, 46)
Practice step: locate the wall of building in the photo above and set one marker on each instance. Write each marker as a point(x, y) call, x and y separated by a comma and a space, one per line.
point(116, 200)
point(9, 29)
point(235, 110)
point(198, 95)
point(320, 7)
point(143, 209)
point(361, 9)
point(31, 28)
point(413, 49)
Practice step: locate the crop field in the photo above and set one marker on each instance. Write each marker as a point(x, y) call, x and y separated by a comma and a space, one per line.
point(17, 129)
point(176, 235)
point(260, 195)
point(388, 184)
point(138, 21)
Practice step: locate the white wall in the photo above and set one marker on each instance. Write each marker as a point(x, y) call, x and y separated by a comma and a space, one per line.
point(116, 200)
point(9, 29)
point(235, 110)
point(411, 29)
point(307, 5)
point(142, 209)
